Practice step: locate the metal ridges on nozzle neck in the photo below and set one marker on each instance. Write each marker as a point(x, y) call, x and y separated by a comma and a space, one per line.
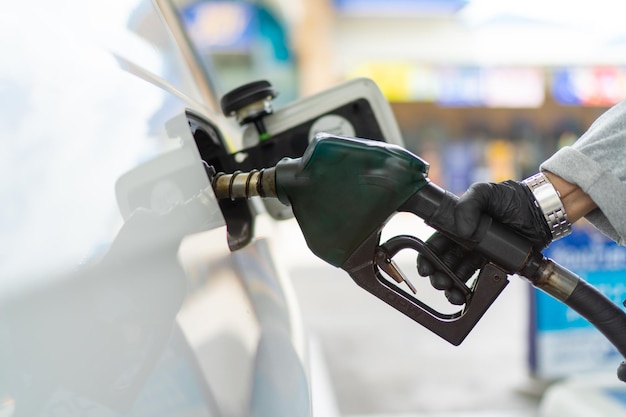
point(239, 184)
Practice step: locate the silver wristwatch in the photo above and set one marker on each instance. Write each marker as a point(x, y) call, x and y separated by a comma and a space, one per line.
point(548, 200)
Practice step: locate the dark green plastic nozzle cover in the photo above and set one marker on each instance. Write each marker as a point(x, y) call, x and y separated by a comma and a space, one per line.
point(343, 189)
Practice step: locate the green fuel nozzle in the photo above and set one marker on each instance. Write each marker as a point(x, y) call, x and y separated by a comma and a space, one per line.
point(341, 190)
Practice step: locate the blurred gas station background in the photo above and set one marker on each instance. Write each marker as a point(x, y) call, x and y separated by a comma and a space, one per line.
point(484, 90)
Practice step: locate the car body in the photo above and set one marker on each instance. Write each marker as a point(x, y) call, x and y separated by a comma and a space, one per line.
point(119, 294)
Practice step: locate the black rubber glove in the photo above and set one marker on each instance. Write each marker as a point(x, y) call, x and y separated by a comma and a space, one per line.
point(461, 262)
point(509, 202)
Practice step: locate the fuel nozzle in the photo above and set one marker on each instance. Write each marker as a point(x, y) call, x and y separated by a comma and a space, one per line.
point(343, 191)
point(340, 190)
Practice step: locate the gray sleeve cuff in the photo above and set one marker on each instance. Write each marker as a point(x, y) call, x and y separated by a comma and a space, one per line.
point(606, 189)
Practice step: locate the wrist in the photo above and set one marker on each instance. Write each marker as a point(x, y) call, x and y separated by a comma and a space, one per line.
point(576, 202)
point(548, 200)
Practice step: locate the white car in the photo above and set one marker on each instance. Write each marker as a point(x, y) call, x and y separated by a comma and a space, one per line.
point(119, 295)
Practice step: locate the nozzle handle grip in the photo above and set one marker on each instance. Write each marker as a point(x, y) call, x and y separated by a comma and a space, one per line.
point(498, 243)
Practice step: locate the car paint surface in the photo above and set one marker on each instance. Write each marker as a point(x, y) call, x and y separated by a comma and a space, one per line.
point(118, 294)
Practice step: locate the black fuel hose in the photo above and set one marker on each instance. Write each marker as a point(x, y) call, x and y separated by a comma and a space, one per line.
point(603, 314)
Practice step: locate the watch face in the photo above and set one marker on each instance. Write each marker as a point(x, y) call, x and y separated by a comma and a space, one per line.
point(334, 124)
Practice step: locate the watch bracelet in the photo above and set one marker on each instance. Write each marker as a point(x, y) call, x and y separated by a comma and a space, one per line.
point(547, 199)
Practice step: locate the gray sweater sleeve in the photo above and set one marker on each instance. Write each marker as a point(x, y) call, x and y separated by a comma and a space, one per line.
point(596, 163)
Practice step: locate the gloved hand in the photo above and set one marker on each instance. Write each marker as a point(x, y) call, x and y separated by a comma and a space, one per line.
point(460, 261)
point(509, 202)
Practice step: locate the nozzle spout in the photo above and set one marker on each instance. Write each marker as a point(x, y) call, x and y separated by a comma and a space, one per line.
point(260, 183)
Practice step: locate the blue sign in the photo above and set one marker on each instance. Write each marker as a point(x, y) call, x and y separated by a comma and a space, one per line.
point(461, 87)
point(221, 25)
point(562, 341)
